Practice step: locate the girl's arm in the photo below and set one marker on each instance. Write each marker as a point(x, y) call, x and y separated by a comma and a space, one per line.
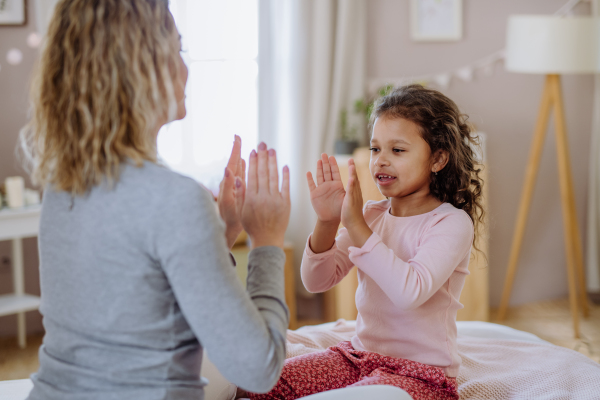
point(326, 197)
point(325, 262)
point(323, 237)
point(322, 271)
point(410, 283)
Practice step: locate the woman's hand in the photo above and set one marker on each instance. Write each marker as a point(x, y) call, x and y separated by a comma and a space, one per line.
point(352, 213)
point(232, 192)
point(266, 210)
point(327, 196)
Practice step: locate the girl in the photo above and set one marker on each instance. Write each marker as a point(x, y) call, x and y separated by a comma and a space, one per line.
point(136, 276)
point(411, 250)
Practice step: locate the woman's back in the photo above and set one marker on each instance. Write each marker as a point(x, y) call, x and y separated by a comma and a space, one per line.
point(133, 278)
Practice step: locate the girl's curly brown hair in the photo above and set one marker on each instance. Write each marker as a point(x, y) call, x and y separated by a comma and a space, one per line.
point(443, 127)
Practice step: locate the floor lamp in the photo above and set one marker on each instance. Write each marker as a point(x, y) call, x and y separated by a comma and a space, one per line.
point(552, 46)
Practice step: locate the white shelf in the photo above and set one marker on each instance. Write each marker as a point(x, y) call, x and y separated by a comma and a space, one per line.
point(12, 304)
point(19, 223)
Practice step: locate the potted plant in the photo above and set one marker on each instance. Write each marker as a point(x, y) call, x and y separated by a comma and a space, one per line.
point(348, 140)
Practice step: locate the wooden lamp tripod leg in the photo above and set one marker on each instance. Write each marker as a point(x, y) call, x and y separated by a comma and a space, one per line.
point(572, 238)
point(574, 235)
point(583, 299)
point(576, 239)
point(527, 194)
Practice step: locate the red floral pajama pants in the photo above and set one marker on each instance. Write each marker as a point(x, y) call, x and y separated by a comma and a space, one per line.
point(341, 366)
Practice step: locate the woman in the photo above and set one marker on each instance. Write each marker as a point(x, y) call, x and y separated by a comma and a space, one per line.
point(136, 276)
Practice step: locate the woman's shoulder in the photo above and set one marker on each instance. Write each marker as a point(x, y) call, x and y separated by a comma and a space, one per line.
point(155, 174)
point(162, 182)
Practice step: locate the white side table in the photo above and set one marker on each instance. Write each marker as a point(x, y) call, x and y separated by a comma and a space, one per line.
point(16, 225)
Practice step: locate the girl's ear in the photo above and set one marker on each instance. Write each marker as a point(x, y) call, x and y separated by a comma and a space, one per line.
point(440, 159)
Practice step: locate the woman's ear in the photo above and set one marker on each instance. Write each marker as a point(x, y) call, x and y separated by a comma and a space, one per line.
point(440, 159)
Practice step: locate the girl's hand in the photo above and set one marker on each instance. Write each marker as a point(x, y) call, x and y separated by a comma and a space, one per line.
point(352, 213)
point(232, 192)
point(266, 211)
point(327, 196)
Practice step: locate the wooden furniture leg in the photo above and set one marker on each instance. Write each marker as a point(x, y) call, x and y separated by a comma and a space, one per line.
point(526, 196)
point(562, 149)
point(19, 288)
point(290, 287)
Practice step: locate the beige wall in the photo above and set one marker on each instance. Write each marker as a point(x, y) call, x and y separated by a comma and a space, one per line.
point(504, 106)
point(14, 82)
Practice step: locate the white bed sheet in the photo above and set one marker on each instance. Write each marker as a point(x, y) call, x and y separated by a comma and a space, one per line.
point(220, 389)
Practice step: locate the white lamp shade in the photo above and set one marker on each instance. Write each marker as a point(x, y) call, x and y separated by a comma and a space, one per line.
point(543, 44)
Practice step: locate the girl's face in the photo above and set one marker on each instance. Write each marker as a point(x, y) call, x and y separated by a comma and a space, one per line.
point(401, 162)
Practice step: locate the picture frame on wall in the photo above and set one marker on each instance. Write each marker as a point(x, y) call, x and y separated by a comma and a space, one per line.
point(436, 20)
point(12, 13)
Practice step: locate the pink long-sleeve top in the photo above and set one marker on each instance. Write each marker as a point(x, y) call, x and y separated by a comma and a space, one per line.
point(410, 275)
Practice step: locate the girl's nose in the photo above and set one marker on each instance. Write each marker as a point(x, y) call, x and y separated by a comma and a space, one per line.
point(381, 161)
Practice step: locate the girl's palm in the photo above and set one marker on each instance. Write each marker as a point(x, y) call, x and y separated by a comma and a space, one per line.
point(327, 196)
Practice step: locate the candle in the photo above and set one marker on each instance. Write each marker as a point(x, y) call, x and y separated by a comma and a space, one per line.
point(15, 186)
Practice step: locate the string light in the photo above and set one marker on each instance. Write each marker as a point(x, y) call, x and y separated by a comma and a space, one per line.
point(14, 56)
point(34, 40)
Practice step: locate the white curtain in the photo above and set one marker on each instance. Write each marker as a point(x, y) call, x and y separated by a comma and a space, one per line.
point(593, 226)
point(43, 13)
point(311, 65)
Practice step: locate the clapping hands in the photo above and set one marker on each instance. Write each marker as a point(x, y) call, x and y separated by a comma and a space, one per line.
point(266, 211)
point(333, 204)
point(327, 196)
point(352, 213)
point(329, 199)
point(232, 193)
point(260, 208)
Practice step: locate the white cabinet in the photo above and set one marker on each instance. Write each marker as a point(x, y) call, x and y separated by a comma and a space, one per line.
point(16, 225)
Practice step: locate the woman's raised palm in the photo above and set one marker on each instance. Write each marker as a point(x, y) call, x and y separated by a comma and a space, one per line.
point(327, 196)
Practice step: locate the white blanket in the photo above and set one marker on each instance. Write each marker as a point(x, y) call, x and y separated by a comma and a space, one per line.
point(498, 362)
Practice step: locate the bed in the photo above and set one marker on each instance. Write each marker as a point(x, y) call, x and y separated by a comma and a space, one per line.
point(498, 363)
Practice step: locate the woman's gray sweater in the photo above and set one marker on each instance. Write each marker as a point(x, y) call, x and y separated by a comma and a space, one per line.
point(137, 280)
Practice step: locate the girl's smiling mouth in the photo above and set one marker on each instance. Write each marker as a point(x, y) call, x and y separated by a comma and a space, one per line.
point(384, 179)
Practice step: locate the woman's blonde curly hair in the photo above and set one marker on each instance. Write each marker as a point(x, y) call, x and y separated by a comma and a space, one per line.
point(104, 84)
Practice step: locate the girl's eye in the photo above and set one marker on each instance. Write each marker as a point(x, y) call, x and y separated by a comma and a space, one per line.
point(373, 149)
point(399, 151)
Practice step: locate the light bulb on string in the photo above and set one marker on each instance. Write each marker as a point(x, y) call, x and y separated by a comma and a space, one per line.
point(465, 73)
point(14, 56)
point(34, 40)
point(442, 80)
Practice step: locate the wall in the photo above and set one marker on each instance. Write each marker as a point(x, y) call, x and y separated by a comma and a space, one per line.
point(14, 83)
point(505, 107)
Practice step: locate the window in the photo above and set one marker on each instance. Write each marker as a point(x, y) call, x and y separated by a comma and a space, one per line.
point(220, 48)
